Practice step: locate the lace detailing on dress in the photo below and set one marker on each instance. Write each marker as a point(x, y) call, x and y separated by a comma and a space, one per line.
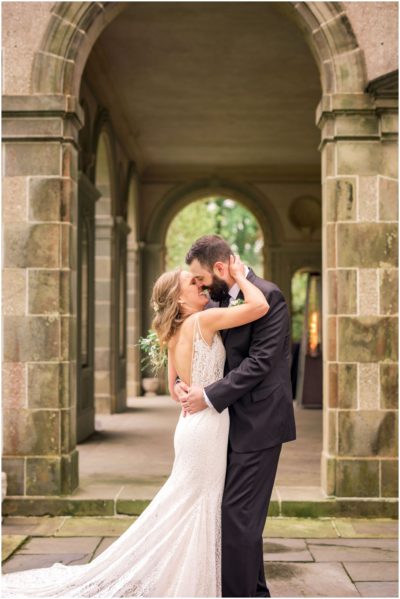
point(174, 548)
point(207, 360)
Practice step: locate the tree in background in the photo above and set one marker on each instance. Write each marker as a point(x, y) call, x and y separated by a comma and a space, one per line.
point(221, 216)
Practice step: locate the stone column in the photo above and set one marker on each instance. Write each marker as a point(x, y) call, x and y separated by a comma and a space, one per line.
point(39, 293)
point(103, 276)
point(359, 174)
point(133, 296)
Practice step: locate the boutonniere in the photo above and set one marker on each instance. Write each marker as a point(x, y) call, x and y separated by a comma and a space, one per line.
point(236, 302)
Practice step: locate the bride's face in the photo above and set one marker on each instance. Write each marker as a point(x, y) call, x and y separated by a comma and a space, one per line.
point(192, 296)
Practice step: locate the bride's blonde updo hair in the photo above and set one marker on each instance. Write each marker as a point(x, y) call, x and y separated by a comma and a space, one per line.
point(164, 301)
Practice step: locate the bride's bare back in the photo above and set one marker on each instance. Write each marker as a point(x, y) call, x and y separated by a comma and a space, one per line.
point(181, 347)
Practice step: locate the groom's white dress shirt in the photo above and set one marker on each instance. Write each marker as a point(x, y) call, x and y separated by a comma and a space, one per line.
point(233, 292)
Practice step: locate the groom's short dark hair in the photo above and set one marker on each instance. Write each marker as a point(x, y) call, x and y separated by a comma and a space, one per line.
point(208, 250)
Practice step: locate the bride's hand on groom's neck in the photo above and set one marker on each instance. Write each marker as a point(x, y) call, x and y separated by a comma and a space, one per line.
point(236, 267)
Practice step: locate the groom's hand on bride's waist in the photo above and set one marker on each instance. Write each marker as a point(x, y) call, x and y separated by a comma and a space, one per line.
point(181, 389)
point(194, 400)
point(180, 392)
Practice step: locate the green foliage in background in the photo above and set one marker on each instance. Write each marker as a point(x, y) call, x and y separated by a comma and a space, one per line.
point(221, 216)
point(241, 230)
point(153, 357)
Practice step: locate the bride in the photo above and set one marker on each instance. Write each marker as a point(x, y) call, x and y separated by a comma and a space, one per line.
point(173, 549)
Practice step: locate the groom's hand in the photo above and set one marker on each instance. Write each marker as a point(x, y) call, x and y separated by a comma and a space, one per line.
point(194, 400)
point(181, 390)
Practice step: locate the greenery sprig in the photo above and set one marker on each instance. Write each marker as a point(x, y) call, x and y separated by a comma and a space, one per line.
point(154, 357)
point(236, 302)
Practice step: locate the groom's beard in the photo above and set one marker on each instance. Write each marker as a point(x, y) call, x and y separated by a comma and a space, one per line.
point(218, 289)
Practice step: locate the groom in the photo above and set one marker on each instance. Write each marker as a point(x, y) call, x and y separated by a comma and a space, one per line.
point(257, 391)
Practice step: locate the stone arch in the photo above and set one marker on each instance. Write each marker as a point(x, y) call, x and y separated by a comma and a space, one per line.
point(250, 197)
point(86, 157)
point(182, 195)
point(332, 42)
point(74, 27)
point(131, 197)
point(104, 152)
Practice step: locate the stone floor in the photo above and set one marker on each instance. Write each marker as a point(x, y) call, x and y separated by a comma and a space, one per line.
point(131, 453)
point(329, 557)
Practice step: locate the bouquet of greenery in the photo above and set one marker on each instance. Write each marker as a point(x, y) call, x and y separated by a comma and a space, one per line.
point(154, 356)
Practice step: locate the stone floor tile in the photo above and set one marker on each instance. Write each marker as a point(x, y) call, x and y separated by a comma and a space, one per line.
point(274, 495)
point(372, 571)
point(372, 542)
point(104, 544)
point(299, 528)
point(353, 550)
point(287, 550)
point(145, 430)
point(309, 580)
point(378, 589)
point(91, 490)
point(10, 543)
point(140, 491)
point(26, 562)
point(309, 493)
point(40, 526)
point(59, 545)
point(94, 527)
point(367, 527)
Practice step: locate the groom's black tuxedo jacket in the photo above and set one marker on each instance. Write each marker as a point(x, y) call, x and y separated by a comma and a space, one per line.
point(256, 387)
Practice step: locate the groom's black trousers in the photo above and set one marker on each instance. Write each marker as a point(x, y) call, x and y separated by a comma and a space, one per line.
point(248, 487)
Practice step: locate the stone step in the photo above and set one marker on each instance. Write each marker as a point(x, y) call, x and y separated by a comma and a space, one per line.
point(279, 507)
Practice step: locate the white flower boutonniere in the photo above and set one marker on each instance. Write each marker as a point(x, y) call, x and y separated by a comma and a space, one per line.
point(236, 302)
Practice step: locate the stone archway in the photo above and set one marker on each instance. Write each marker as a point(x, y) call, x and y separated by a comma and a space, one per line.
point(74, 27)
point(210, 214)
point(358, 150)
point(177, 198)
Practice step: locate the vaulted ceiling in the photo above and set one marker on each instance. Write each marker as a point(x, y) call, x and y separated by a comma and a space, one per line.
point(209, 85)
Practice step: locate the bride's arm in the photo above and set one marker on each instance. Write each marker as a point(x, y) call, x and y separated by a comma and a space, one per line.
point(255, 304)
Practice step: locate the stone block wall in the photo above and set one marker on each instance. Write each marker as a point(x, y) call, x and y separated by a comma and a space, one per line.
point(39, 295)
point(360, 243)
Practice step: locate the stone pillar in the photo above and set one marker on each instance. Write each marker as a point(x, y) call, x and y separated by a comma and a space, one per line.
point(134, 251)
point(39, 293)
point(103, 311)
point(359, 175)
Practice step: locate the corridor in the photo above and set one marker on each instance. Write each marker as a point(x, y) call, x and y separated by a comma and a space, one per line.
point(130, 454)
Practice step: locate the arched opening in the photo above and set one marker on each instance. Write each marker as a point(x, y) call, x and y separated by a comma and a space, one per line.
point(261, 135)
point(218, 215)
point(213, 159)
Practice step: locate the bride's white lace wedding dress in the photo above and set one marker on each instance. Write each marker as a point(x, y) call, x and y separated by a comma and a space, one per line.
point(173, 549)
